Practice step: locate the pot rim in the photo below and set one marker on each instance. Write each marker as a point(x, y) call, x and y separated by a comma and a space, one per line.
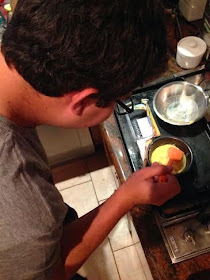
point(173, 122)
point(178, 140)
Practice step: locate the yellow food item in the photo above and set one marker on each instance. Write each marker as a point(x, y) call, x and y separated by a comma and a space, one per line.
point(161, 156)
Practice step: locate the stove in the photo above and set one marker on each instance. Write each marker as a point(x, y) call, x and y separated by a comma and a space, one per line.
point(184, 221)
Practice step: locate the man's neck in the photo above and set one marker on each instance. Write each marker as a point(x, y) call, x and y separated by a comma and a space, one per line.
point(15, 93)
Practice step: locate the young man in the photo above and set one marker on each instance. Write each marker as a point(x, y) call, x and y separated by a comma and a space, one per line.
point(64, 63)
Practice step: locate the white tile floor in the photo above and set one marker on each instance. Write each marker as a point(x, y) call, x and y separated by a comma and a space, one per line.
point(120, 256)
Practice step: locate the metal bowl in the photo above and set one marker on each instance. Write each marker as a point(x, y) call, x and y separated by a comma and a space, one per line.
point(183, 146)
point(180, 103)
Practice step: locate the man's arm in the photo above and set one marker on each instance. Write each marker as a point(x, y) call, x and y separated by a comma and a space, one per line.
point(84, 235)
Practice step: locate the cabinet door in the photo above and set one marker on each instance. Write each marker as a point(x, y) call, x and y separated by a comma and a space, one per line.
point(63, 144)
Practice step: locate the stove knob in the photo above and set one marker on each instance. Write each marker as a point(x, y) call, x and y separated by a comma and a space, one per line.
point(189, 236)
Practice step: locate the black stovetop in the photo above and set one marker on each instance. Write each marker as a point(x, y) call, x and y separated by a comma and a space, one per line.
point(196, 183)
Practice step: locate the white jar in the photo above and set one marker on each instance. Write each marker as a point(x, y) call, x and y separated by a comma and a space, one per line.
point(190, 51)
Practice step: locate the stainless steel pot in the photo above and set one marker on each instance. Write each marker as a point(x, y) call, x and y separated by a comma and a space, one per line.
point(180, 103)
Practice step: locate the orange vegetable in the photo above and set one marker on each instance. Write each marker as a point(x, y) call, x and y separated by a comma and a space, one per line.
point(162, 179)
point(175, 153)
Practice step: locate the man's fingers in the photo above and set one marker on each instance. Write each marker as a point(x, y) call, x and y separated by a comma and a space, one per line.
point(172, 187)
point(167, 190)
point(149, 172)
point(172, 180)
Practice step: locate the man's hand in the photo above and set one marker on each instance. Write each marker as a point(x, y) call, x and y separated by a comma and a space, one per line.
point(142, 187)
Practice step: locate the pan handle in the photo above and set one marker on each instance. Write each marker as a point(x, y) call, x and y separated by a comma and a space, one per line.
point(205, 86)
point(207, 96)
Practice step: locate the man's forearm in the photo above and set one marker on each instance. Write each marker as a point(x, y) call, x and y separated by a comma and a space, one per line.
point(83, 236)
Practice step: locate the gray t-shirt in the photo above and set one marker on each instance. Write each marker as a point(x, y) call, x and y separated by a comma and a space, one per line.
point(31, 209)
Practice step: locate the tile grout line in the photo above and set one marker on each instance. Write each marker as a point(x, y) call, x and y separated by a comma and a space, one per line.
point(118, 271)
point(141, 261)
point(124, 247)
point(137, 256)
point(72, 186)
point(103, 200)
point(95, 191)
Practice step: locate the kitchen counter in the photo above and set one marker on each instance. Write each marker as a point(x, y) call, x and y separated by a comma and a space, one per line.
point(197, 268)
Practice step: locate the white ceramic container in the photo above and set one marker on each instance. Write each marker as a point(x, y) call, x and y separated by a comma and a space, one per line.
point(190, 51)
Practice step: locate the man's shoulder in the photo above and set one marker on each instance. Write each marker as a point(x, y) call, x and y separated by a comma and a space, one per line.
point(20, 141)
point(22, 153)
point(29, 199)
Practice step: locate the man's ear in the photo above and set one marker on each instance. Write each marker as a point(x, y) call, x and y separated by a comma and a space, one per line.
point(77, 101)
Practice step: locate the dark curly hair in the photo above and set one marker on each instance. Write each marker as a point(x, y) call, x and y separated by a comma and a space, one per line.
point(59, 46)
